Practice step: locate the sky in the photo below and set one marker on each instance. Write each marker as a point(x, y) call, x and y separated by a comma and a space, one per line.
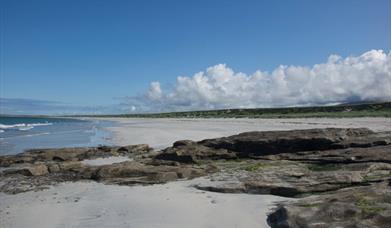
point(100, 57)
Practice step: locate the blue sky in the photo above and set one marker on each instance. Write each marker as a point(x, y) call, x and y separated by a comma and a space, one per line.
point(94, 54)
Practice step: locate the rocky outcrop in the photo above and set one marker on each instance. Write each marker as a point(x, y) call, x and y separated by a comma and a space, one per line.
point(133, 172)
point(292, 179)
point(31, 170)
point(36, 169)
point(255, 144)
point(344, 172)
point(265, 145)
point(368, 206)
point(192, 152)
point(72, 154)
point(348, 155)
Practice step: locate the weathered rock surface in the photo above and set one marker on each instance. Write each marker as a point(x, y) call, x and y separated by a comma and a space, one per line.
point(292, 179)
point(192, 152)
point(342, 144)
point(368, 206)
point(37, 169)
point(344, 172)
point(31, 170)
point(348, 155)
point(72, 154)
point(133, 172)
point(255, 144)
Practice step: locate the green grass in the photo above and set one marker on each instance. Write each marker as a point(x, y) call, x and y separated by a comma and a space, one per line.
point(337, 111)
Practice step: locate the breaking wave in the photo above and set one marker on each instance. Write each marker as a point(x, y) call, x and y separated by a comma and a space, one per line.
point(22, 126)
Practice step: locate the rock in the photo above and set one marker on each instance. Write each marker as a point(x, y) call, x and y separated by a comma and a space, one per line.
point(124, 169)
point(58, 165)
point(104, 148)
point(190, 172)
point(349, 155)
point(279, 145)
point(291, 179)
point(31, 170)
point(72, 154)
point(150, 173)
point(253, 144)
point(71, 166)
point(368, 206)
point(53, 168)
point(183, 143)
point(166, 176)
point(134, 149)
point(6, 161)
point(38, 170)
point(189, 152)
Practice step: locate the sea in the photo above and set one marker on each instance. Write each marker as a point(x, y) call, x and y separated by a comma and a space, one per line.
point(18, 134)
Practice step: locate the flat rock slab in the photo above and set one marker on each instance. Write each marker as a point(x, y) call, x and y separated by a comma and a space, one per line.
point(105, 161)
point(368, 206)
point(330, 162)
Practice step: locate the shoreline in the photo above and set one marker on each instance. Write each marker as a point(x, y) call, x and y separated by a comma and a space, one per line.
point(20, 134)
point(173, 204)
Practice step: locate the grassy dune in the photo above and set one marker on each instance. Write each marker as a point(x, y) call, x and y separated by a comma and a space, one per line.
point(337, 111)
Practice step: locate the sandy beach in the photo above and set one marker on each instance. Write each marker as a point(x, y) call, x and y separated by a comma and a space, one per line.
point(160, 133)
point(195, 114)
point(175, 204)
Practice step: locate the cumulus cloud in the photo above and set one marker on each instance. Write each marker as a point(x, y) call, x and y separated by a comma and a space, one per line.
point(354, 78)
point(154, 92)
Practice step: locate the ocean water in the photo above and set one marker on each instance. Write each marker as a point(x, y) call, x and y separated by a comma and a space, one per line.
point(20, 133)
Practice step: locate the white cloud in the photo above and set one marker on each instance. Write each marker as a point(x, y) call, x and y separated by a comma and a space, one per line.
point(154, 92)
point(354, 78)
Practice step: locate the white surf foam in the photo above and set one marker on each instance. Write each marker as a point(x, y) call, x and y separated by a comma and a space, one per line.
point(22, 126)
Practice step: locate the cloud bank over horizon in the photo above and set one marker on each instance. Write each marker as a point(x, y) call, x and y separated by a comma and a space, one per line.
point(355, 78)
point(366, 77)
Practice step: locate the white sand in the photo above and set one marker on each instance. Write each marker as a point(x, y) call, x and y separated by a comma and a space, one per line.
point(105, 161)
point(160, 133)
point(170, 205)
point(89, 204)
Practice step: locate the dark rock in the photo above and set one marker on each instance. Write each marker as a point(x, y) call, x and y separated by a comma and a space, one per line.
point(253, 144)
point(72, 154)
point(29, 170)
point(137, 170)
point(183, 143)
point(192, 153)
point(368, 206)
